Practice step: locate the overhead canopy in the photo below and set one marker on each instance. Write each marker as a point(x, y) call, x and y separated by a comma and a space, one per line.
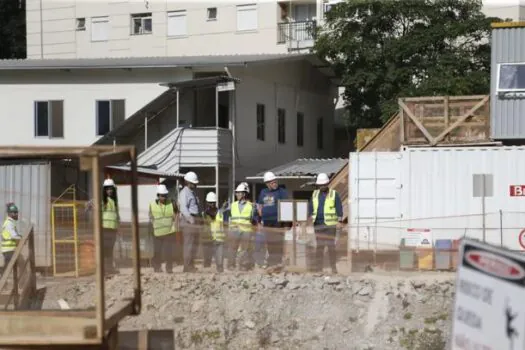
point(200, 83)
point(305, 168)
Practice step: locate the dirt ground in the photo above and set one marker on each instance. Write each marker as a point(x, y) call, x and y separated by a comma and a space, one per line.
point(235, 310)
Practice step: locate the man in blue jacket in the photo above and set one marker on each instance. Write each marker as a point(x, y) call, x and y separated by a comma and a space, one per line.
point(267, 207)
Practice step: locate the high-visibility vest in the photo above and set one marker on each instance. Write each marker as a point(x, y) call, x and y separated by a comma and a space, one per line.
point(330, 214)
point(110, 215)
point(8, 243)
point(242, 220)
point(162, 216)
point(217, 227)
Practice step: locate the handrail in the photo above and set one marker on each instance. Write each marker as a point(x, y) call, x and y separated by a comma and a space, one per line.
point(24, 285)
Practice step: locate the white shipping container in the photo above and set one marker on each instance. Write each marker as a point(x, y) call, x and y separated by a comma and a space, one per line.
point(433, 188)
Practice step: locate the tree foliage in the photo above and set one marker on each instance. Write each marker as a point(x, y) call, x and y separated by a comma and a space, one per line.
point(386, 49)
point(12, 29)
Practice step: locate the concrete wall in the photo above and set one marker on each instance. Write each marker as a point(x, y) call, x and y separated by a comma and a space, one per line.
point(54, 24)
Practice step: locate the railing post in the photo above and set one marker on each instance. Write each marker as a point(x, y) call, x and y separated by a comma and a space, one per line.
point(31, 257)
point(15, 284)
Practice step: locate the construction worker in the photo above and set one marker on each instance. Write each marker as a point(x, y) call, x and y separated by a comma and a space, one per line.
point(267, 205)
point(163, 215)
point(110, 223)
point(215, 246)
point(243, 216)
point(190, 212)
point(326, 212)
point(10, 235)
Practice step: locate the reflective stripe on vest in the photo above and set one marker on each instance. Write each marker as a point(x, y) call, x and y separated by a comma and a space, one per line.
point(217, 228)
point(8, 244)
point(242, 220)
point(109, 215)
point(162, 215)
point(330, 214)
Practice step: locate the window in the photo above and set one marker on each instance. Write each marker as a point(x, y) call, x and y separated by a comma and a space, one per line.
point(110, 114)
point(246, 17)
point(49, 119)
point(177, 25)
point(100, 28)
point(300, 129)
point(260, 121)
point(511, 77)
point(281, 125)
point(212, 14)
point(80, 24)
point(141, 23)
point(320, 133)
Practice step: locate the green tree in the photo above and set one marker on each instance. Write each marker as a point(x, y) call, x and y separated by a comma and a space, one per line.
point(12, 29)
point(386, 49)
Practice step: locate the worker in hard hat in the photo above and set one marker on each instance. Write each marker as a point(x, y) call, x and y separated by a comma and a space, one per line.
point(243, 217)
point(10, 235)
point(326, 213)
point(163, 215)
point(110, 223)
point(214, 245)
point(267, 205)
point(190, 210)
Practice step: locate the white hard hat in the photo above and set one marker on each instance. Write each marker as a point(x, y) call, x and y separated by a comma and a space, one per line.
point(322, 179)
point(191, 177)
point(241, 188)
point(109, 183)
point(211, 197)
point(247, 186)
point(269, 176)
point(161, 189)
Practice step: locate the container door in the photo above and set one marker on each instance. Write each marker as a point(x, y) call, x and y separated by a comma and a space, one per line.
point(375, 186)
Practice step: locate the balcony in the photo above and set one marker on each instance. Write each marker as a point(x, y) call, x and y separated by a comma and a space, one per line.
point(296, 35)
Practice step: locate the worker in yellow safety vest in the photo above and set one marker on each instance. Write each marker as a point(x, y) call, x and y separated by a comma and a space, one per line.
point(10, 235)
point(214, 245)
point(163, 215)
point(110, 223)
point(326, 212)
point(242, 219)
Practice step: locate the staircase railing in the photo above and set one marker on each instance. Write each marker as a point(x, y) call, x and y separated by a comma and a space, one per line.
point(18, 280)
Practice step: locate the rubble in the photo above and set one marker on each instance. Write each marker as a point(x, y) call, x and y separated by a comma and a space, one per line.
point(284, 311)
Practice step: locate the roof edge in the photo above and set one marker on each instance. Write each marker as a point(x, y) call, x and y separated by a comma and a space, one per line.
point(502, 25)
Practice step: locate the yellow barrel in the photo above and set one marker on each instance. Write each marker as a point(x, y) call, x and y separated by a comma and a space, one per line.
point(425, 258)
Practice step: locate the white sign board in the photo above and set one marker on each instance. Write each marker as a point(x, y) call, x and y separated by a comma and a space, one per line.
point(301, 210)
point(489, 311)
point(418, 237)
point(285, 210)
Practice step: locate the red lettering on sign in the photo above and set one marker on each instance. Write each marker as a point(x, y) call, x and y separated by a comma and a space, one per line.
point(517, 190)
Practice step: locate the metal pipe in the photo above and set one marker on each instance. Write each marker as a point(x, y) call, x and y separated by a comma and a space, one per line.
point(216, 107)
point(146, 133)
point(178, 108)
point(283, 177)
point(501, 227)
point(217, 185)
point(41, 31)
point(233, 107)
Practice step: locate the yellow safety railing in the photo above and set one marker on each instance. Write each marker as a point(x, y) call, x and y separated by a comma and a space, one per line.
point(68, 240)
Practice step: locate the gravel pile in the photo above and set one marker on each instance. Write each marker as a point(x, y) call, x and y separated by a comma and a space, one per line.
point(285, 311)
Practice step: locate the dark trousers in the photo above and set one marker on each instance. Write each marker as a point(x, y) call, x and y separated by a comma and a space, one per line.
point(260, 248)
point(7, 259)
point(214, 249)
point(109, 237)
point(275, 243)
point(325, 237)
point(244, 240)
point(191, 243)
point(165, 251)
point(208, 248)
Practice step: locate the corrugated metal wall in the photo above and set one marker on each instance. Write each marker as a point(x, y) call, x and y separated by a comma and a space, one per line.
point(28, 185)
point(506, 114)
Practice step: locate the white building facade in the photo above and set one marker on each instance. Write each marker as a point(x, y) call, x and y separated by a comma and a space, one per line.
point(84, 29)
point(284, 105)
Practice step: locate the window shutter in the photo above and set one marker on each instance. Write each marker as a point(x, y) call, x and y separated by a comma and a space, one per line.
point(177, 25)
point(247, 17)
point(57, 118)
point(100, 29)
point(118, 113)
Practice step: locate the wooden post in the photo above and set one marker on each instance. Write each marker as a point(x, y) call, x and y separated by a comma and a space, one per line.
point(99, 251)
point(15, 284)
point(446, 114)
point(32, 264)
point(135, 230)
